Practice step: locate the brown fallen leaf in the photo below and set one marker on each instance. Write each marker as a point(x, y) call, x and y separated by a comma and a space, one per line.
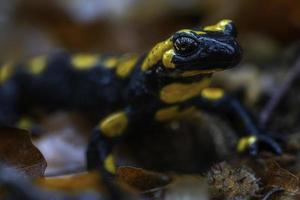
point(278, 177)
point(142, 179)
point(79, 183)
point(72, 183)
point(156, 185)
point(14, 185)
point(17, 150)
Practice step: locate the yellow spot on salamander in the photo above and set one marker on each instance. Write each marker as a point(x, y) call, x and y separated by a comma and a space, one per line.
point(167, 59)
point(156, 54)
point(166, 114)
point(25, 123)
point(114, 125)
point(191, 73)
point(111, 63)
point(109, 164)
point(219, 26)
point(212, 93)
point(126, 65)
point(171, 113)
point(6, 72)
point(37, 65)
point(245, 142)
point(84, 61)
point(179, 92)
point(198, 72)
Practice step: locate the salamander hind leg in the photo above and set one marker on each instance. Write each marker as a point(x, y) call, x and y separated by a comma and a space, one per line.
point(104, 137)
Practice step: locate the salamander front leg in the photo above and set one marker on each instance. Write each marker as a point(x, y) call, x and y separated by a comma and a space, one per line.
point(108, 132)
point(215, 100)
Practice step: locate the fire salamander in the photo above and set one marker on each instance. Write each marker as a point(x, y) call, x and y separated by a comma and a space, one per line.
point(121, 93)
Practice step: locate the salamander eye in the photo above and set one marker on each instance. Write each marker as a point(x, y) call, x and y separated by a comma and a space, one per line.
point(185, 45)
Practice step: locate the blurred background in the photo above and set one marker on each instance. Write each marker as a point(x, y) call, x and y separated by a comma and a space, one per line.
point(30, 27)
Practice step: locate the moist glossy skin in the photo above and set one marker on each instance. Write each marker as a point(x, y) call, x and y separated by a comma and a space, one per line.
point(122, 93)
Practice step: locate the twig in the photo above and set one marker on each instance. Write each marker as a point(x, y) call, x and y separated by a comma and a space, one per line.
point(271, 192)
point(278, 95)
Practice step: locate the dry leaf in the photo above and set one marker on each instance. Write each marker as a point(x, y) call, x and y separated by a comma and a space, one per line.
point(281, 178)
point(14, 185)
point(142, 179)
point(72, 183)
point(17, 150)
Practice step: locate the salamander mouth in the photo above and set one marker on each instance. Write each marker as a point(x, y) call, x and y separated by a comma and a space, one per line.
point(191, 75)
point(195, 73)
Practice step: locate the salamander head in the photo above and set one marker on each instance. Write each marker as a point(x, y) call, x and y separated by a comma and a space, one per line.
point(190, 53)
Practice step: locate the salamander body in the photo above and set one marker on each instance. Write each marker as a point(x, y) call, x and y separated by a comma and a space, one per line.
point(120, 93)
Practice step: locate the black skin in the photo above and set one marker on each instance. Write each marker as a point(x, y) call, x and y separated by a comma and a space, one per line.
point(98, 92)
